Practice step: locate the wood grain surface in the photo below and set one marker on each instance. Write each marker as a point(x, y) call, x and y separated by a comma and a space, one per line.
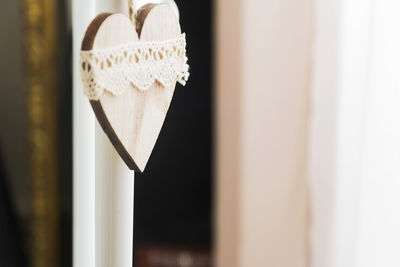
point(133, 120)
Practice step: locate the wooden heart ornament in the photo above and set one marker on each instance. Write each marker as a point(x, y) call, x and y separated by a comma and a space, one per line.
point(129, 70)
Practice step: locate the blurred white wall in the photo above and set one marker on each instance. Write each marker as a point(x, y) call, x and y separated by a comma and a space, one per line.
point(263, 81)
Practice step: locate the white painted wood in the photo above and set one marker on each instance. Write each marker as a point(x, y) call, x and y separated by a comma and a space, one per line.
point(114, 206)
point(83, 148)
point(114, 189)
point(103, 186)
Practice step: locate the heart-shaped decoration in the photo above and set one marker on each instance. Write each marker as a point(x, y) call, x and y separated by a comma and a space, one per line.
point(133, 119)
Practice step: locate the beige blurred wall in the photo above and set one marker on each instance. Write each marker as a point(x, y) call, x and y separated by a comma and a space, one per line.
point(263, 79)
point(13, 142)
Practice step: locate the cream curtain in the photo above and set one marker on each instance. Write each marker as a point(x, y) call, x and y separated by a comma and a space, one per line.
point(355, 129)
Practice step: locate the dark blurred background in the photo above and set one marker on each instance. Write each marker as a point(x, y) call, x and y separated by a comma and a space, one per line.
point(173, 211)
point(173, 197)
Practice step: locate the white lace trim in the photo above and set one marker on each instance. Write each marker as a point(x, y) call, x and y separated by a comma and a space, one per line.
point(137, 64)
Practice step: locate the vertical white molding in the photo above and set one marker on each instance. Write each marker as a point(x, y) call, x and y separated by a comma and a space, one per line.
point(114, 206)
point(114, 189)
point(103, 185)
point(83, 148)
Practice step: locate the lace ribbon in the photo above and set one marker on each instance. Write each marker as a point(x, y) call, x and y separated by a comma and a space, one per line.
point(138, 65)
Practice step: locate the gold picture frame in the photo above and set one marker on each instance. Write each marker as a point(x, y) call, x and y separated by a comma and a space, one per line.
point(39, 31)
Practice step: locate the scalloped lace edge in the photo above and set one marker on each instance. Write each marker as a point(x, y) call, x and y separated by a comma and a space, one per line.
point(138, 65)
